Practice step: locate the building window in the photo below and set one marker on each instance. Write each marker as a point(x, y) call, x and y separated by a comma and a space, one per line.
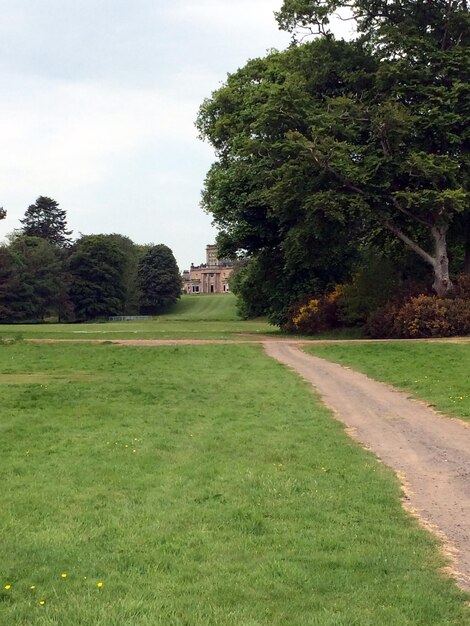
point(195, 288)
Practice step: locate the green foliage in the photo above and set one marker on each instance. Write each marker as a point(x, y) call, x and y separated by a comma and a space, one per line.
point(369, 289)
point(46, 220)
point(267, 197)
point(132, 254)
point(33, 284)
point(159, 280)
point(265, 286)
point(97, 267)
point(251, 285)
point(330, 142)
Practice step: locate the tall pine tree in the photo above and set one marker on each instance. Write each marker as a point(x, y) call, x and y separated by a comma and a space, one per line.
point(46, 220)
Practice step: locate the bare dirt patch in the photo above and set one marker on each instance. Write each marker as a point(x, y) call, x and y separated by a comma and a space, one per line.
point(430, 453)
point(41, 378)
point(240, 338)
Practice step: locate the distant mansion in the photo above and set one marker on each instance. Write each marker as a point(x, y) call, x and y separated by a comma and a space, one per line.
point(211, 277)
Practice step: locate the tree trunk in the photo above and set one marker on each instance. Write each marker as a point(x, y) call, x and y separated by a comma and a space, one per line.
point(442, 284)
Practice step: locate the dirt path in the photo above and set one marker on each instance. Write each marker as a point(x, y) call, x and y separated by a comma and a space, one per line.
point(241, 338)
point(431, 454)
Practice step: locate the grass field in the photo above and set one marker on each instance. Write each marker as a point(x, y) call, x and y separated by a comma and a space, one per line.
point(436, 372)
point(193, 317)
point(197, 486)
point(214, 307)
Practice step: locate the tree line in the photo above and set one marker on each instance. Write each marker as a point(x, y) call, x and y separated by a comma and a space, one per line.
point(44, 273)
point(335, 156)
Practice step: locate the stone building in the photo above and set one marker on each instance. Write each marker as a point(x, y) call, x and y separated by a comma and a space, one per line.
point(211, 277)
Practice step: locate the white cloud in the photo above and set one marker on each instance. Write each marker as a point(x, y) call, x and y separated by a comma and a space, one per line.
point(74, 133)
point(98, 104)
point(206, 13)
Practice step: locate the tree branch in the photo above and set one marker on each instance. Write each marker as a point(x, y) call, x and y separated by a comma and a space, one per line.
point(342, 179)
point(409, 214)
point(410, 243)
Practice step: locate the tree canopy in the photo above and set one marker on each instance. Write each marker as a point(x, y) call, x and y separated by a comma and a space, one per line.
point(97, 267)
point(95, 278)
point(32, 284)
point(159, 280)
point(332, 143)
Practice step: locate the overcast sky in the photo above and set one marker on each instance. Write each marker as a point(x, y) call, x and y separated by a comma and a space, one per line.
point(97, 109)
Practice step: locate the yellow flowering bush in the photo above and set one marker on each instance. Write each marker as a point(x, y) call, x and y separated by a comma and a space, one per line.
point(314, 314)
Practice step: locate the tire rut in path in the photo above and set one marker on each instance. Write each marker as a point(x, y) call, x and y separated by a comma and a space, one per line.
point(430, 453)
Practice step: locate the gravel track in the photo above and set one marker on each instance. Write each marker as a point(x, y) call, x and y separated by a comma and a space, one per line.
point(429, 452)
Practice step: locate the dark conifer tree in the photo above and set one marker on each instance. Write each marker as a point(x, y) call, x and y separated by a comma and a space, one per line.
point(46, 220)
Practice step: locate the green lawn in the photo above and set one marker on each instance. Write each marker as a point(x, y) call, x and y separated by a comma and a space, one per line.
point(193, 317)
point(218, 307)
point(202, 486)
point(436, 372)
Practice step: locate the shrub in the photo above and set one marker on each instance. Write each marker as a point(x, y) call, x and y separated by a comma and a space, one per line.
point(370, 288)
point(424, 316)
point(462, 286)
point(421, 316)
point(381, 323)
point(314, 315)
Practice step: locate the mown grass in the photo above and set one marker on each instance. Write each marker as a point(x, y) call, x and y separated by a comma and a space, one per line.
point(202, 307)
point(203, 486)
point(193, 317)
point(436, 372)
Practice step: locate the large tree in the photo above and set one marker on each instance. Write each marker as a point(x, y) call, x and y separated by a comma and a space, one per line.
point(32, 280)
point(132, 254)
point(159, 280)
point(47, 220)
point(269, 199)
point(419, 120)
point(332, 142)
point(97, 267)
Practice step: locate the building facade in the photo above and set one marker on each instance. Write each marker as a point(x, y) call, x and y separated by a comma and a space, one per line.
point(211, 277)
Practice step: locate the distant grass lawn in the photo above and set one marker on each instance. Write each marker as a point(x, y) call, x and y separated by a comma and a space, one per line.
point(436, 372)
point(202, 486)
point(217, 307)
point(193, 317)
